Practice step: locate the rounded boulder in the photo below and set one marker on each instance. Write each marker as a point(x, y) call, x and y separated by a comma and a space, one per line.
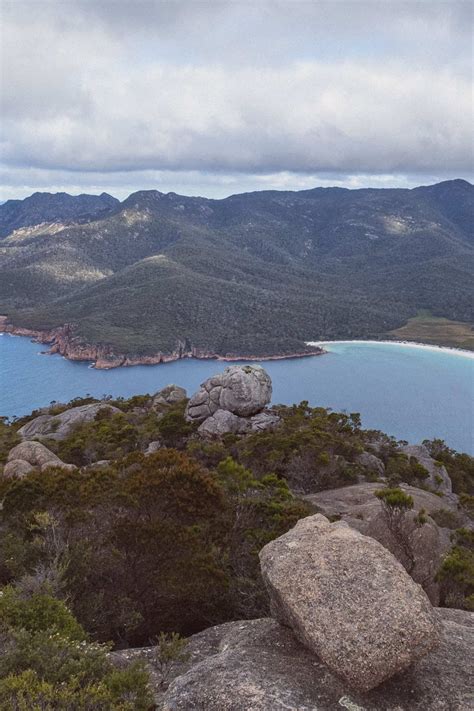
point(243, 390)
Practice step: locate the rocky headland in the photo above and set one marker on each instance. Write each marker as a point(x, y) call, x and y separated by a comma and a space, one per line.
point(65, 342)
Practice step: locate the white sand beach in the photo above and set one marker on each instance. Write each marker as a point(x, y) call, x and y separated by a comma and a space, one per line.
point(403, 344)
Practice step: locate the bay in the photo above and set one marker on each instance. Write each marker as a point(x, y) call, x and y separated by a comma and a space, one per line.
point(410, 392)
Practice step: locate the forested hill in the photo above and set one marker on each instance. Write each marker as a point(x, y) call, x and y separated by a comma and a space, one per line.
point(252, 274)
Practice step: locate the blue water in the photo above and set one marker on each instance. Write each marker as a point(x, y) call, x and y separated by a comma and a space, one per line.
point(411, 393)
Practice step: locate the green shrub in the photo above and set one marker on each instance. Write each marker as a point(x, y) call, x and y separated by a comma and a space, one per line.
point(46, 662)
point(396, 505)
point(395, 499)
point(38, 613)
point(400, 468)
point(169, 649)
point(456, 573)
point(8, 439)
point(460, 466)
point(173, 428)
point(446, 518)
point(467, 502)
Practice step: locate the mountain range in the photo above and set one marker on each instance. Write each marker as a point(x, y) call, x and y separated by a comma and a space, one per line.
point(250, 275)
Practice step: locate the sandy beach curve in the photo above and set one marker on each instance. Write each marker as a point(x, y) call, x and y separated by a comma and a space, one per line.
point(404, 344)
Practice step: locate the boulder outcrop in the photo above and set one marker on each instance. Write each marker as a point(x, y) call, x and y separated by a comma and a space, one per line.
point(60, 426)
point(348, 600)
point(243, 390)
point(438, 478)
point(100, 464)
point(266, 420)
point(27, 456)
point(233, 401)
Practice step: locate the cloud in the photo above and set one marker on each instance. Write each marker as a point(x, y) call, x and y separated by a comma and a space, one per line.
point(338, 88)
point(307, 117)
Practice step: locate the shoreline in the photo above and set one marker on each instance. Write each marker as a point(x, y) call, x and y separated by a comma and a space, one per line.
point(407, 344)
point(61, 341)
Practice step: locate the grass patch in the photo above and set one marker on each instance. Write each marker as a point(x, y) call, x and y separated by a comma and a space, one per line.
point(439, 331)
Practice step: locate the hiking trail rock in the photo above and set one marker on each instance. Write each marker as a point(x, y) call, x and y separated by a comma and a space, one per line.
point(260, 665)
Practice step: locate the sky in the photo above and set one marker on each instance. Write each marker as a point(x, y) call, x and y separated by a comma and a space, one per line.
point(219, 97)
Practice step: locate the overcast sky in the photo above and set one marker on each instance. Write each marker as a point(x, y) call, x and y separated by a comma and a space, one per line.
point(214, 98)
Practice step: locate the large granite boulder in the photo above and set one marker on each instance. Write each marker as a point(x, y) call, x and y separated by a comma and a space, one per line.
point(35, 453)
point(169, 395)
point(243, 390)
point(17, 468)
point(348, 600)
point(259, 665)
point(27, 456)
point(60, 426)
point(438, 478)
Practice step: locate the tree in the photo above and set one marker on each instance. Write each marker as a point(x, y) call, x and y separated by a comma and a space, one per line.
point(456, 573)
point(396, 504)
point(169, 649)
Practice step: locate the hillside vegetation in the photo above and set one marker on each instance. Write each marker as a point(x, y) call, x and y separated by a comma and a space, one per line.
point(252, 274)
point(136, 545)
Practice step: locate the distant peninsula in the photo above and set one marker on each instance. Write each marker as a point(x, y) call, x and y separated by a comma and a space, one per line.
point(62, 341)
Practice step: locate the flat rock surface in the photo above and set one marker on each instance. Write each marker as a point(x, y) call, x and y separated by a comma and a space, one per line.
point(349, 600)
point(258, 665)
point(360, 500)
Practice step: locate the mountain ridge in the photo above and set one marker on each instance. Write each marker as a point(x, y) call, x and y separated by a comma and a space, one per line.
point(252, 274)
